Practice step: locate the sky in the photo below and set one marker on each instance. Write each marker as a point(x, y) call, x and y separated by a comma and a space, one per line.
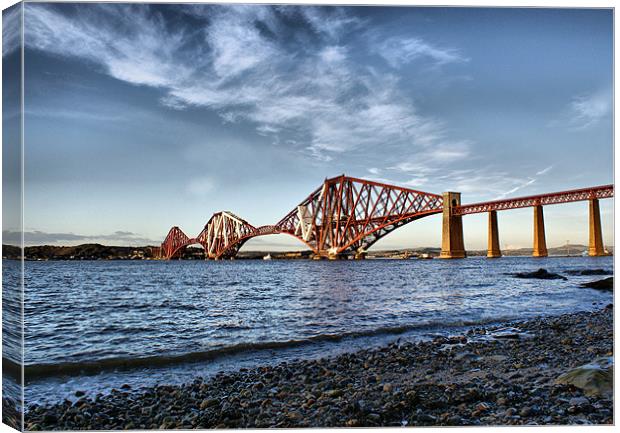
point(140, 117)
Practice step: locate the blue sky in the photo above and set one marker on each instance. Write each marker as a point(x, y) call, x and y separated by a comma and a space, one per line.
point(140, 117)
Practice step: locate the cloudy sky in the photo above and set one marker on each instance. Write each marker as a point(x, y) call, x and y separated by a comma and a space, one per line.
point(140, 117)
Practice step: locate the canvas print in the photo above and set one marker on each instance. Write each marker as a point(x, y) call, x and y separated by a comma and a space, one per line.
point(281, 216)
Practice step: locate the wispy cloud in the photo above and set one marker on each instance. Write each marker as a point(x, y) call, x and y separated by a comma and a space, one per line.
point(332, 24)
point(544, 170)
point(521, 184)
point(11, 29)
point(400, 51)
point(588, 110)
point(585, 111)
point(36, 237)
point(238, 62)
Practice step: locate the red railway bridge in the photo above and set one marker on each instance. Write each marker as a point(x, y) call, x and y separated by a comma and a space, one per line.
point(345, 216)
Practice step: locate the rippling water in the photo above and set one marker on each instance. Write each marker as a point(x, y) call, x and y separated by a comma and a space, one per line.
point(96, 325)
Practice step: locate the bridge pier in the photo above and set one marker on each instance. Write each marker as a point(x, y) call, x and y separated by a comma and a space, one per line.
point(595, 248)
point(540, 243)
point(452, 245)
point(493, 247)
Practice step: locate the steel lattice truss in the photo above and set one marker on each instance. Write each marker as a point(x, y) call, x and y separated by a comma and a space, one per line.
point(343, 215)
point(605, 191)
point(174, 243)
point(225, 233)
point(349, 215)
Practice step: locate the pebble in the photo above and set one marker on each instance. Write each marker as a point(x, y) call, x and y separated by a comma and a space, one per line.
point(405, 384)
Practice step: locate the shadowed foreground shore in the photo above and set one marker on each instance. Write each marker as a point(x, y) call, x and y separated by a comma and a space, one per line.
point(489, 376)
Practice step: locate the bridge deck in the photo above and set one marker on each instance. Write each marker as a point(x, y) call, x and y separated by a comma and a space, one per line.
point(604, 191)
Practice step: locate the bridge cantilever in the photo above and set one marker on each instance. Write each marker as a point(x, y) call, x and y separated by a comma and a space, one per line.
point(347, 215)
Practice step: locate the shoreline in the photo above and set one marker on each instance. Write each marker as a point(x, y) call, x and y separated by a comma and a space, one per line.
point(138, 253)
point(477, 378)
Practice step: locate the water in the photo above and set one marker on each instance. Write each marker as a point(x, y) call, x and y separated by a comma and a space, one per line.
point(96, 325)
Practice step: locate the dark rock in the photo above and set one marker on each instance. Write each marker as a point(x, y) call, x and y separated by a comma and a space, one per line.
point(606, 285)
point(589, 272)
point(50, 418)
point(541, 274)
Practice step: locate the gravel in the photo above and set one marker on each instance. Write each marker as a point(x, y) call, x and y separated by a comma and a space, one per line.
point(471, 379)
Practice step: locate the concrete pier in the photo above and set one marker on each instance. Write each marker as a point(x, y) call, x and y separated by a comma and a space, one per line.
point(452, 245)
point(595, 248)
point(493, 248)
point(360, 255)
point(540, 243)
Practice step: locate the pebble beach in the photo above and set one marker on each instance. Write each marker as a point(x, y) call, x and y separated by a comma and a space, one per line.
point(509, 374)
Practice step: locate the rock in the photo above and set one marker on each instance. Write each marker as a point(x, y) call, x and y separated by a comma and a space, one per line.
point(525, 411)
point(496, 358)
point(541, 274)
point(466, 356)
point(79, 393)
point(333, 393)
point(510, 411)
point(425, 417)
point(208, 403)
point(579, 401)
point(589, 272)
point(606, 285)
point(50, 418)
point(294, 416)
point(125, 386)
point(352, 423)
point(387, 387)
point(595, 379)
point(507, 333)
point(482, 407)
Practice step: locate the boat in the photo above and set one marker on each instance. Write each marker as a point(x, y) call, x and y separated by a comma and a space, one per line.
point(267, 257)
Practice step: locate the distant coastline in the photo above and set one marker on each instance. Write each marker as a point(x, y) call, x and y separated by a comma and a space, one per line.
point(107, 252)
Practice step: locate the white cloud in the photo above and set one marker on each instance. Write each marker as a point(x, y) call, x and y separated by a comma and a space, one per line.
point(588, 110)
point(522, 185)
point(331, 24)
point(400, 51)
point(11, 29)
point(544, 171)
point(585, 111)
point(451, 151)
point(318, 99)
point(38, 237)
point(131, 44)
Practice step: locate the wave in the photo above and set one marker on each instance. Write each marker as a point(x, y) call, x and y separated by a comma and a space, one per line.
point(43, 370)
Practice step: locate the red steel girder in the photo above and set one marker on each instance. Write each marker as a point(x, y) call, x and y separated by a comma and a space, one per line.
point(348, 214)
point(345, 214)
point(604, 191)
point(175, 241)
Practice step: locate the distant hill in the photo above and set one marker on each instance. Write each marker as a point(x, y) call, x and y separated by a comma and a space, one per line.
point(106, 252)
point(78, 252)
